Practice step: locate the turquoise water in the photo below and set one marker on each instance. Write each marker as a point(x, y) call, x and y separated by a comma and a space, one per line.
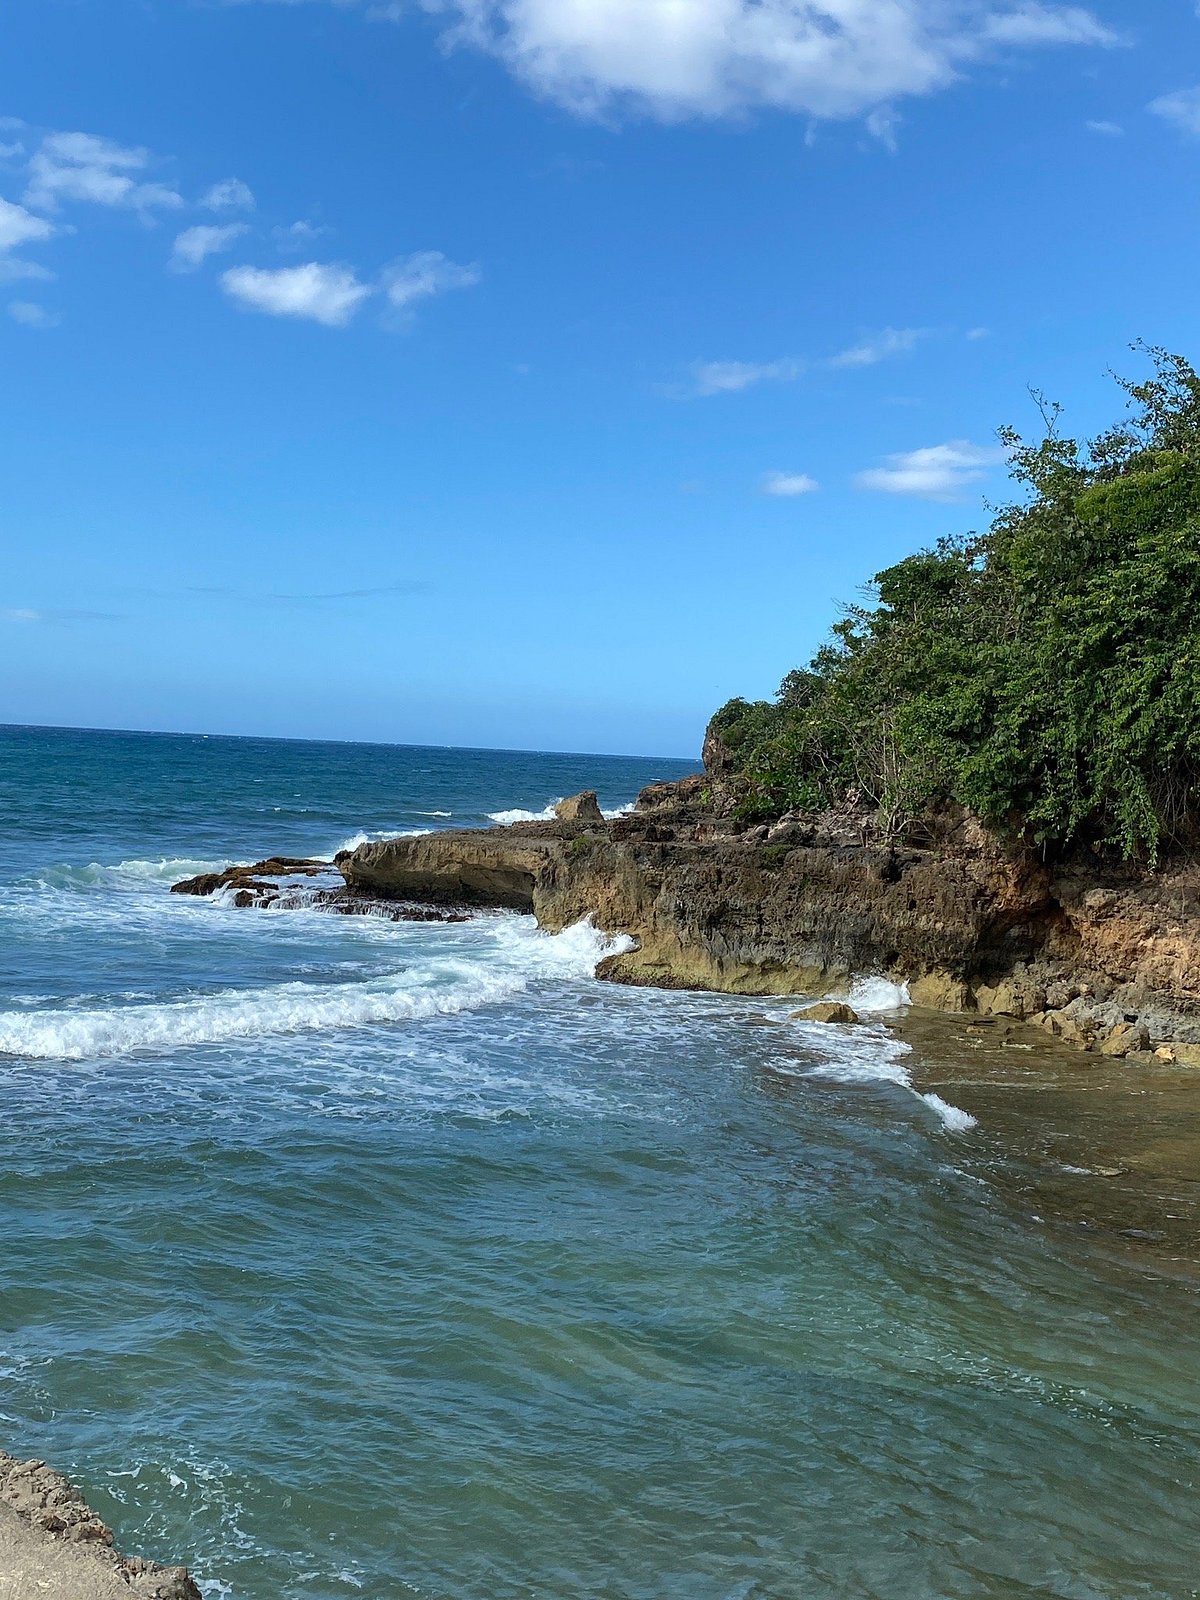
point(344, 1258)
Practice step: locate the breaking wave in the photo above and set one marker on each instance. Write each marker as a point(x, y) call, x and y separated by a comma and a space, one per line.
point(877, 995)
point(356, 839)
point(870, 1054)
point(546, 814)
point(126, 875)
point(514, 955)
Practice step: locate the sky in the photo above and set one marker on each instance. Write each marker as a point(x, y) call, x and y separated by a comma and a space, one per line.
point(540, 374)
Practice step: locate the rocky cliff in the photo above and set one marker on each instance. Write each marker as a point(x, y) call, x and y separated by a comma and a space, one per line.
point(1102, 958)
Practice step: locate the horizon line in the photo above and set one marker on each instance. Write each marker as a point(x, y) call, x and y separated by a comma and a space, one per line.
point(375, 744)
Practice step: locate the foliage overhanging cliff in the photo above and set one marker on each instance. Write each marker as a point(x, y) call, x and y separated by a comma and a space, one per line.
point(1044, 674)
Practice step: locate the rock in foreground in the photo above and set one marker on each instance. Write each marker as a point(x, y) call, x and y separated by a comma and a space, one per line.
point(53, 1546)
point(826, 1011)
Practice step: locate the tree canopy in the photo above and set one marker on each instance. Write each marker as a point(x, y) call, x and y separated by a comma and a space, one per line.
point(1044, 674)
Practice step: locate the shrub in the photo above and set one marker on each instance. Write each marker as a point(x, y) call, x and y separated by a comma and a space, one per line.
point(1044, 674)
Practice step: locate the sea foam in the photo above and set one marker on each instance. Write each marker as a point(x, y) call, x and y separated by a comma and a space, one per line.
point(546, 814)
point(510, 956)
point(870, 1054)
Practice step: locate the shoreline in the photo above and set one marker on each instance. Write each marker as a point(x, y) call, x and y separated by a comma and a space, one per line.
point(53, 1546)
point(1079, 1106)
point(1103, 1147)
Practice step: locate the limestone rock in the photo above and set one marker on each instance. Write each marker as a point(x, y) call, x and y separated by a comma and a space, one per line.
point(1125, 1039)
point(1069, 1029)
point(53, 1541)
point(940, 992)
point(826, 1011)
point(583, 807)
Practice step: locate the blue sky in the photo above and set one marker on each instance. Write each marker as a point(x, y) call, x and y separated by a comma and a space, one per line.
point(540, 373)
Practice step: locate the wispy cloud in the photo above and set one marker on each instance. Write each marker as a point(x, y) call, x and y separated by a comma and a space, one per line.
point(1181, 109)
point(231, 194)
point(31, 315)
point(18, 227)
point(1034, 24)
point(731, 377)
point(789, 484)
point(295, 236)
point(401, 586)
point(194, 245)
point(404, 586)
point(712, 58)
point(879, 347)
point(326, 293)
point(1107, 130)
point(937, 472)
point(84, 167)
point(424, 274)
point(332, 293)
point(30, 616)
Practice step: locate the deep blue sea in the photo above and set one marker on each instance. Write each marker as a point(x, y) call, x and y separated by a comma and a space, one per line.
point(343, 1258)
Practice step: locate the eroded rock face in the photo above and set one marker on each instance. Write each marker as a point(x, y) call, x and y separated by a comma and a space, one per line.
point(811, 902)
point(805, 904)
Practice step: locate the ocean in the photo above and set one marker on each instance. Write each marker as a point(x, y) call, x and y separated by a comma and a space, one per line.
point(344, 1258)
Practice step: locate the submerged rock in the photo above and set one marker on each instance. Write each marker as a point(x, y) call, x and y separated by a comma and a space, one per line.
point(252, 878)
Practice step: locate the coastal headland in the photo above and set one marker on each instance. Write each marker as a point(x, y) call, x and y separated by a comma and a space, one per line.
point(1103, 958)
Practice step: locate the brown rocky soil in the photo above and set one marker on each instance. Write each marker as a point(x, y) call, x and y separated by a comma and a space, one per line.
point(53, 1546)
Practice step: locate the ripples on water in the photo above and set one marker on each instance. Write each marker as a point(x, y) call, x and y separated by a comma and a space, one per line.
point(349, 1258)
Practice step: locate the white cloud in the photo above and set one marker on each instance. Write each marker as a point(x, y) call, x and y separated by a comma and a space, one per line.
point(1182, 109)
point(14, 268)
point(20, 614)
point(81, 166)
point(683, 58)
point(1034, 24)
point(730, 377)
point(882, 124)
point(18, 226)
point(788, 484)
point(231, 194)
point(891, 342)
point(938, 472)
point(195, 245)
point(426, 273)
point(30, 315)
point(975, 334)
point(329, 294)
point(1109, 130)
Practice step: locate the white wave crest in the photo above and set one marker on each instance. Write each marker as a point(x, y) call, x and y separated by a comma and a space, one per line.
point(955, 1118)
point(125, 875)
point(357, 839)
point(504, 965)
point(505, 819)
point(876, 994)
point(870, 1054)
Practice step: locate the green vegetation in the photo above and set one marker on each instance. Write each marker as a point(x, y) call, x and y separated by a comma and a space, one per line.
point(1044, 674)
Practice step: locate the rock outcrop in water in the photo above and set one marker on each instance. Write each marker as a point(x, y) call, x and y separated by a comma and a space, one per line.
point(52, 1543)
point(1097, 956)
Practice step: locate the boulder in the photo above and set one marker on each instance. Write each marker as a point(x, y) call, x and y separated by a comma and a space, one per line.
point(826, 1011)
point(1068, 1029)
point(584, 807)
point(1125, 1039)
